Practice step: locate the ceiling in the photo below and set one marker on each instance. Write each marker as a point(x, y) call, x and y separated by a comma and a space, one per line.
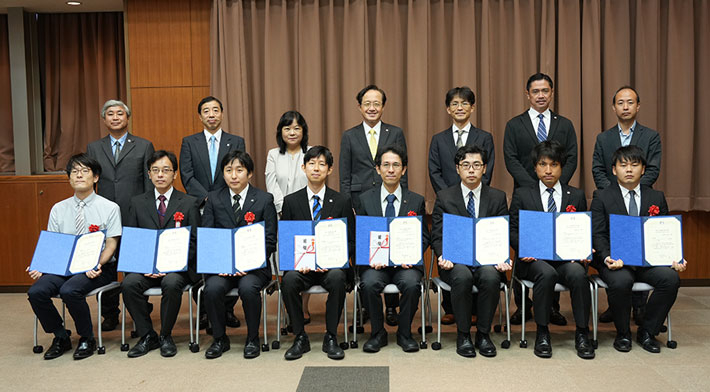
point(54, 6)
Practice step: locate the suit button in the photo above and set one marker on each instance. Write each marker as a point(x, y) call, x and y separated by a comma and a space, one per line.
point(116, 181)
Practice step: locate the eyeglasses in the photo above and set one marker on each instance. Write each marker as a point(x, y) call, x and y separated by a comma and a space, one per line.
point(165, 170)
point(394, 165)
point(464, 104)
point(83, 170)
point(474, 165)
point(375, 104)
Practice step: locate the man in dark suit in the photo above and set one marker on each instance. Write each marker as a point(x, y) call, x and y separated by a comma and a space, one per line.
point(123, 159)
point(314, 202)
point(629, 197)
point(384, 201)
point(155, 209)
point(549, 195)
point(228, 208)
point(522, 134)
point(470, 198)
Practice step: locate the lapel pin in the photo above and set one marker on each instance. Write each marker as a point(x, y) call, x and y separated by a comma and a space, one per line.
point(330, 200)
point(228, 144)
point(252, 200)
point(129, 140)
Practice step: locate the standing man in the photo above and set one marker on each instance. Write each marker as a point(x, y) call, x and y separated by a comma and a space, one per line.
point(123, 158)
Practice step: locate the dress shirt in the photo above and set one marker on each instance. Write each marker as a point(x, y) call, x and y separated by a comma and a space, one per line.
point(536, 120)
point(167, 195)
point(556, 195)
point(464, 135)
point(383, 198)
point(320, 194)
point(476, 196)
point(626, 139)
point(377, 128)
point(242, 196)
point(625, 193)
point(121, 142)
point(217, 135)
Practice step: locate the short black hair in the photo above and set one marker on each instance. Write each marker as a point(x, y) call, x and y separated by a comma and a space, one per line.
point(368, 88)
point(539, 76)
point(208, 99)
point(551, 149)
point(638, 98)
point(286, 120)
point(474, 149)
point(395, 149)
point(630, 153)
point(241, 156)
point(86, 161)
point(464, 92)
point(315, 152)
point(159, 154)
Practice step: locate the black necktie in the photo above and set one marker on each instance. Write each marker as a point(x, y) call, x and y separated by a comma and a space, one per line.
point(236, 207)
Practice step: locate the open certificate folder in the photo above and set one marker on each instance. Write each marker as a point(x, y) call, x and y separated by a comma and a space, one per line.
point(388, 241)
point(309, 244)
point(555, 235)
point(228, 251)
point(67, 254)
point(149, 251)
point(476, 242)
point(646, 241)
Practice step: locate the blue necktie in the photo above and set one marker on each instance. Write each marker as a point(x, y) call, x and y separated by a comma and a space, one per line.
point(471, 207)
point(551, 206)
point(633, 207)
point(316, 208)
point(541, 130)
point(389, 210)
point(213, 155)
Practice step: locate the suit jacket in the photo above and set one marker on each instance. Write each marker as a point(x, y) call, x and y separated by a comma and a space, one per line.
point(143, 213)
point(610, 201)
point(608, 142)
point(450, 201)
point(520, 139)
point(119, 182)
point(283, 175)
point(357, 168)
point(442, 170)
point(195, 170)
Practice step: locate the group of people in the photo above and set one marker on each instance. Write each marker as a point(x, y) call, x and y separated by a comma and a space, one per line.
point(122, 180)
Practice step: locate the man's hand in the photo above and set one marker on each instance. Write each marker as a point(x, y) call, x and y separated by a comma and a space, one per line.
point(613, 264)
point(154, 276)
point(680, 267)
point(502, 267)
point(445, 264)
point(33, 274)
point(528, 259)
point(91, 274)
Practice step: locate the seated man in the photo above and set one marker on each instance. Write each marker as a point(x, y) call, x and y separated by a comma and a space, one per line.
point(156, 210)
point(629, 197)
point(314, 202)
point(239, 204)
point(470, 198)
point(74, 216)
point(391, 164)
point(550, 195)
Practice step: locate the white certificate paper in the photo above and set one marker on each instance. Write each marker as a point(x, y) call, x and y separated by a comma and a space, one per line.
point(86, 252)
point(405, 241)
point(331, 243)
point(249, 248)
point(492, 241)
point(379, 248)
point(304, 250)
point(573, 236)
point(662, 241)
point(173, 246)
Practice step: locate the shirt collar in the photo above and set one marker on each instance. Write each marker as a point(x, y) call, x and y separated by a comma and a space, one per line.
point(557, 187)
point(476, 191)
point(208, 135)
point(242, 194)
point(625, 191)
point(167, 194)
point(88, 200)
point(465, 129)
point(321, 194)
point(376, 127)
point(534, 113)
point(121, 140)
point(384, 193)
point(631, 131)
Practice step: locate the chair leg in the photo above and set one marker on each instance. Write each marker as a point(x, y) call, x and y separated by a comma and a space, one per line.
point(196, 346)
point(506, 343)
point(595, 313)
point(191, 314)
point(265, 346)
point(523, 341)
point(672, 344)
point(423, 343)
point(344, 345)
point(37, 349)
point(101, 349)
point(353, 343)
point(437, 345)
point(124, 345)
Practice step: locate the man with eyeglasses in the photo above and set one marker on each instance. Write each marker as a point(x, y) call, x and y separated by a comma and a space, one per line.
point(156, 210)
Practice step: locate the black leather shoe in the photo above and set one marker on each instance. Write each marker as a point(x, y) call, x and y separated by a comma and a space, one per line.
point(543, 347)
point(464, 345)
point(167, 346)
point(86, 348)
point(622, 343)
point(375, 342)
point(408, 344)
point(59, 346)
point(331, 347)
point(252, 349)
point(606, 317)
point(556, 318)
point(648, 341)
point(204, 321)
point(485, 345)
point(148, 342)
point(638, 314)
point(391, 317)
point(584, 347)
point(232, 320)
point(300, 346)
point(109, 323)
point(448, 319)
point(517, 317)
point(218, 346)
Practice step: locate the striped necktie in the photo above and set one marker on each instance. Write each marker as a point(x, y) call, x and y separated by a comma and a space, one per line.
point(316, 210)
point(551, 206)
point(236, 207)
point(541, 130)
point(80, 220)
point(471, 206)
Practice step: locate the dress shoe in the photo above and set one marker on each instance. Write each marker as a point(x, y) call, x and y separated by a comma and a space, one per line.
point(300, 346)
point(232, 320)
point(331, 347)
point(86, 348)
point(391, 317)
point(204, 321)
point(252, 349)
point(543, 347)
point(306, 319)
point(408, 344)
point(448, 319)
point(485, 345)
point(622, 343)
point(218, 346)
point(517, 317)
point(557, 318)
point(464, 345)
point(148, 342)
point(59, 346)
point(606, 317)
point(585, 349)
point(109, 323)
point(375, 342)
point(167, 346)
point(638, 314)
point(648, 341)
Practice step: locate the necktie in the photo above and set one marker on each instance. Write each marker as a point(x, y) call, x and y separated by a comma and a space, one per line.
point(236, 207)
point(213, 155)
point(633, 207)
point(373, 143)
point(551, 206)
point(80, 220)
point(471, 207)
point(541, 130)
point(316, 208)
point(389, 210)
point(116, 151)
point(459, 140)
point(161, 209)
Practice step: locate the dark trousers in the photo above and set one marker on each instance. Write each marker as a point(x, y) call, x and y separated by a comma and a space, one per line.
point(72, 290)
point(250, 286)
point(665, 282)
point(407, 281)
point(295, 282)
point(462, 278)
point(518, 297)
point(392, 300)
point(172, 286)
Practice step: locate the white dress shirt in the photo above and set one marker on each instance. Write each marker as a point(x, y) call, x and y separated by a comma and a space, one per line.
point(556, 195)
point(476, 196)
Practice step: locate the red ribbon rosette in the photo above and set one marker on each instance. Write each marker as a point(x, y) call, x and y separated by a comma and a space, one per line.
point(411, 213)
point(178, 217)
point(94, 228)
point(571, 208)
point(249, 217)
point(653, 210)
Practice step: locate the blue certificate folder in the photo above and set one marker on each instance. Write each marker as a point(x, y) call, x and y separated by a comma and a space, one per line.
point(536, 234)
point(216, 250)
point(54, 252)
point(458, 236)
point(363, 226)
point(626, 237)
point(287, 231)
point(139, 250)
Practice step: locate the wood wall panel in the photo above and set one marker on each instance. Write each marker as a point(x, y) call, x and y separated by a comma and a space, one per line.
point(200, 41)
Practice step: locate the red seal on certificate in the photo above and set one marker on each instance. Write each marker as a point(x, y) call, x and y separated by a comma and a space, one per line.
point(411, 213)
point(653, 210)
point(570, 208)
point(94, 228)
point(178, 217)
point(249, 217)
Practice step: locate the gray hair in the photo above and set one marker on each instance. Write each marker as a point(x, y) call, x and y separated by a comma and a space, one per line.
point(114, 102)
